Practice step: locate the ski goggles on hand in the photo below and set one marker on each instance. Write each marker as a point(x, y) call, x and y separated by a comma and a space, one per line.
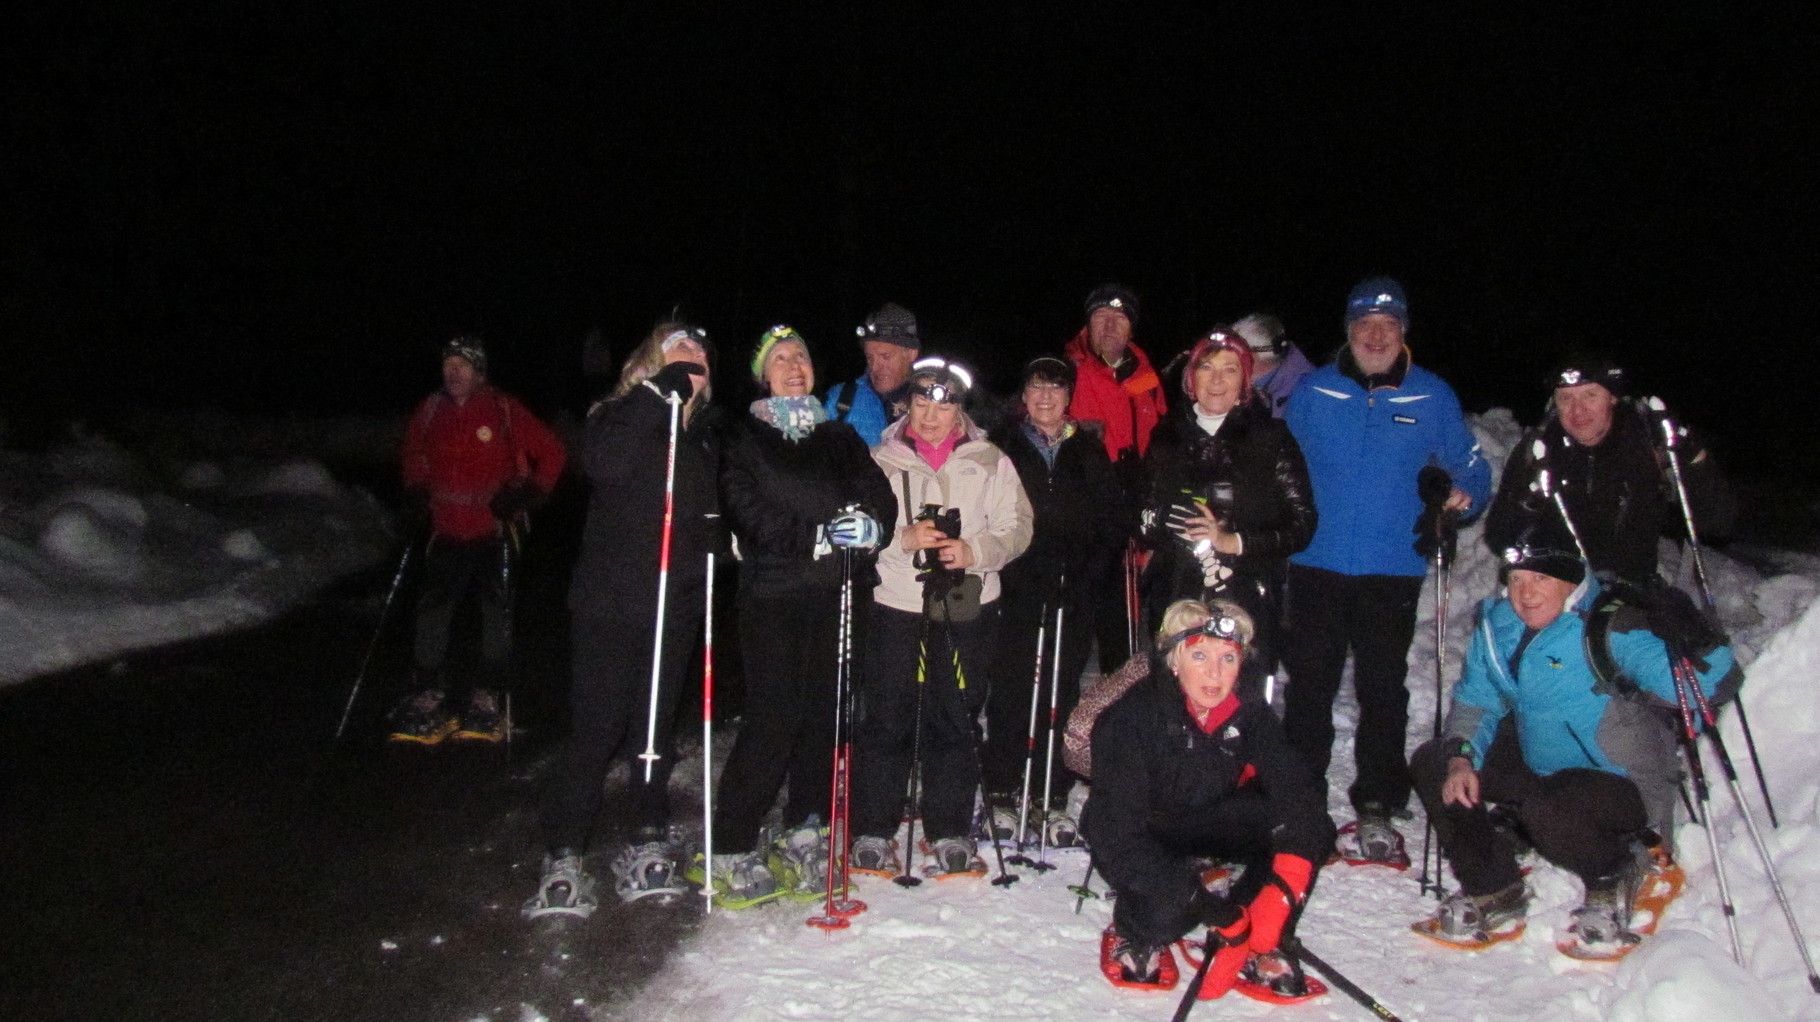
point(1220, 626)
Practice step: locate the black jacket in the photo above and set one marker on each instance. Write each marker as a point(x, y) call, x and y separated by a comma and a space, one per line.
point(1253, 477)
point(1619, 492)
point(778, 494)
point(1155, 775)
point(624, 450)
point(1079, 528)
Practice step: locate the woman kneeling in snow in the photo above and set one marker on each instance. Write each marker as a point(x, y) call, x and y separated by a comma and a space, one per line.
point(1183, 769)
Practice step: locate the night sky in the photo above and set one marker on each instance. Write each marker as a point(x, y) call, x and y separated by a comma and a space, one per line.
point(287, 207)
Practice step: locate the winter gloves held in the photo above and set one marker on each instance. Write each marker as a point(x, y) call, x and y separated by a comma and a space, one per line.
point(678, 378)
point(514, 499)
point(1437, 529)
point(1235, 933)
point(853, 529)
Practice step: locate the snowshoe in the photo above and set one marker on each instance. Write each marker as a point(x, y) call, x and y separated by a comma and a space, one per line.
point(800, 860)
point(421, 720)
point(566, 889)
point(1473, 922)
point(740, 880)
point(1372, 841)
point(1614, 921)
point(482, 721)
point(646, 868)
point(875, 856)
point(951, 857)
point(1276, 978)
point(1125, 964)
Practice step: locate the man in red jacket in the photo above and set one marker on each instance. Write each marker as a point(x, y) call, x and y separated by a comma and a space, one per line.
point(1116, 388)
point(475, 461)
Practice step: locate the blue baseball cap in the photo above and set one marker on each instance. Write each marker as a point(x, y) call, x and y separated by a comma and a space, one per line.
point(1377, 294)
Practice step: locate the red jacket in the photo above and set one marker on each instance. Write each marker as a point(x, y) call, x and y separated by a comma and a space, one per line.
point(1129, 410)
point(464, 454)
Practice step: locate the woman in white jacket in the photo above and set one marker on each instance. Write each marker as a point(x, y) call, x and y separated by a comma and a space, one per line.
point(962, 517)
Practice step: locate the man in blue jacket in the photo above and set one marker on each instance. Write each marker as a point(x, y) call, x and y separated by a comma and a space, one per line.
point(1368, 424)
point(878, 397)
point(1585, 765)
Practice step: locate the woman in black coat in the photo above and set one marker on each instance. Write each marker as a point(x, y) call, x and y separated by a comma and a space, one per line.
point(613, 602)
point(1183, 768)
point(795, 488)
point(1079, 534)
point(1229, 497)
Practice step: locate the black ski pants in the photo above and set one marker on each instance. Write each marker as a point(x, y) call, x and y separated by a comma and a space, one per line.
point(1582, 820)
point(1013, 689)
point(609, 698)
point(789, 644)
point(452, 569)
point(1374, 618)
point(1156, 904)
point(913, 707)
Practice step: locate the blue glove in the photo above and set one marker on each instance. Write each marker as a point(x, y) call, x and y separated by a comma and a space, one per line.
point(853, 529)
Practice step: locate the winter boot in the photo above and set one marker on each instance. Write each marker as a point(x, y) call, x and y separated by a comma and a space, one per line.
point(1062, 830)
point(1003, 820)
point(421, 719)
point(1378, 840)
point(741, 880)
point(566, 888)
point(646, 867)
point(800, 860)
point(1140, 964)
point(482, 721)
point(875, 855)
point(954, 856)
point(1127, 963)
point(1604, 918)
point(1482, 919)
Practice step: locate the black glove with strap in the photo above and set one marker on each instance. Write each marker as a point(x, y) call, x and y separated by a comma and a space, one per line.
point(1436, 529)
point(678, 378)
point(513, 499)
point(1680, 624)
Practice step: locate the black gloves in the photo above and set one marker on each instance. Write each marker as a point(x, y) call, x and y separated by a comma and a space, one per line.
point(1679, 623)
point(1436, 529)
point(513, 499)
point(678, 378)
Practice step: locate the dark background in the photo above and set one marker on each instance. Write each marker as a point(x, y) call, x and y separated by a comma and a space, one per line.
point(288, 207)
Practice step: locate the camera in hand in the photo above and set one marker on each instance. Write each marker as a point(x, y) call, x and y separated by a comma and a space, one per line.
point(948, 523)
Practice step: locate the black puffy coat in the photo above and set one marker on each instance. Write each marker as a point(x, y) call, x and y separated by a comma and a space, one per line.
point(624, 449)
point(777, 495)
point(1079, 528)
point(1252, 475)
point(1155, 775)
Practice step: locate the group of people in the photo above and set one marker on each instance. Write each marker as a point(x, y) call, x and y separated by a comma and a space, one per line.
point(1265, 519)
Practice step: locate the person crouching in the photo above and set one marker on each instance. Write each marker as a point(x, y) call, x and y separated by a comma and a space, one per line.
point(1182, 768)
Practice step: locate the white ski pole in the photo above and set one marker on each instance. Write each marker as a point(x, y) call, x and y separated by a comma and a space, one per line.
point(1036, 691)
point(650, 755)
point(1546, 483)
point(1055, 678)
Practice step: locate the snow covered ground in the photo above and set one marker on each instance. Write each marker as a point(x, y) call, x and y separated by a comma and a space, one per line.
point(106, 550)
point(963, 949)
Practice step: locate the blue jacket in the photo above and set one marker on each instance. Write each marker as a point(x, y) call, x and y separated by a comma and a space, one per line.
point(1565, 716)
point(867, 413)
point(1364, 451)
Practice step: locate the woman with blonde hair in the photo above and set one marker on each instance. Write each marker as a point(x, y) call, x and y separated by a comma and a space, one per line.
point(612, 598)
point(1183, 769)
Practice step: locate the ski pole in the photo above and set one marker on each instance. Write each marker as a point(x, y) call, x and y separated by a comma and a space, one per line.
point(1671, 441)
point(1703, 803)
point(650, 755)
point(1193, 993)
point(836, 910)
point(1443, 585)
point(506, 548)
point(1084, 890)
point(1036, 691)
point(1294, 947)
point(1684, 675)
point(916, 758)
point(372, 644)
point(707, 739)
point(1004, 878)
point(1540, 450)
point(1043, 865)
point(1133, 606)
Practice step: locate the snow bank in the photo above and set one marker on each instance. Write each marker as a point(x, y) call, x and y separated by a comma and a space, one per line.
point(104, 551)
point(963, 949)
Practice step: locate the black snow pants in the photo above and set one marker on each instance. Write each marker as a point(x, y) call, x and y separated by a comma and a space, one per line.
point(452, 569)
point(1013, 689)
